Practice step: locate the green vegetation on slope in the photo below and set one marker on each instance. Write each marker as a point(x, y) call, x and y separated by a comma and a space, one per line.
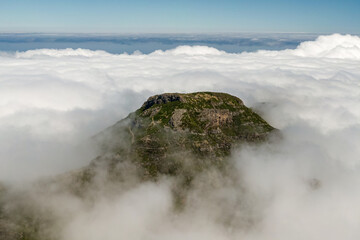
point(201, 126)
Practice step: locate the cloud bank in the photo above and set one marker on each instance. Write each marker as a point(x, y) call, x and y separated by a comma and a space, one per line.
point(304, 186)
point(147, 43)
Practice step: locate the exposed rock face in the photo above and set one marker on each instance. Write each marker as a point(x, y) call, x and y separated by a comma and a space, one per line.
point(176, 119)
point(162, 99)
point(171, 127)
point(216, 117)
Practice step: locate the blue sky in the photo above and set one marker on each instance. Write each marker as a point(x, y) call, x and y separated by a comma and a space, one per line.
point(159, 16)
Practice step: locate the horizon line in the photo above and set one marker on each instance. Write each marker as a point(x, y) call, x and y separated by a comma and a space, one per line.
point(169, 33)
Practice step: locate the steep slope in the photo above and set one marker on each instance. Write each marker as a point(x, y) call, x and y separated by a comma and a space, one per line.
point(181, 135)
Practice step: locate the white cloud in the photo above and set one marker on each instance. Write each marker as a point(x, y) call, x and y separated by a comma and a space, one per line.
point(190, 50)
point(68, 52)
point(51, 101)
point(334, 46)
point(339, 46)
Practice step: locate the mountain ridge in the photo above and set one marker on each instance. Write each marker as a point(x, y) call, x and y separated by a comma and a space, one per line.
point(201, 124)
point(175, 135)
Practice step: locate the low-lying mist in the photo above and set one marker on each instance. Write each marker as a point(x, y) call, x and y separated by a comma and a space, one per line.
point(303, 185)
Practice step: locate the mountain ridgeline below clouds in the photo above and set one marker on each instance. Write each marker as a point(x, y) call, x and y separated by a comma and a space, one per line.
point(175, 135)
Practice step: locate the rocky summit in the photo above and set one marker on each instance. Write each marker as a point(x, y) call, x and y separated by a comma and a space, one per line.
point(172, 131)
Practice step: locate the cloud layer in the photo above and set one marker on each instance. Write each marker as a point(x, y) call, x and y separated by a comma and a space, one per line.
point(304, 186)
point(147, 43)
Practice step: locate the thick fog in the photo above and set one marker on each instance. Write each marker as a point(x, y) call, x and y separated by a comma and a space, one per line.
point(304, 185)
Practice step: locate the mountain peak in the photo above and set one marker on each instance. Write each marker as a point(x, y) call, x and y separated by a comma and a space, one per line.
point(170, 127)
